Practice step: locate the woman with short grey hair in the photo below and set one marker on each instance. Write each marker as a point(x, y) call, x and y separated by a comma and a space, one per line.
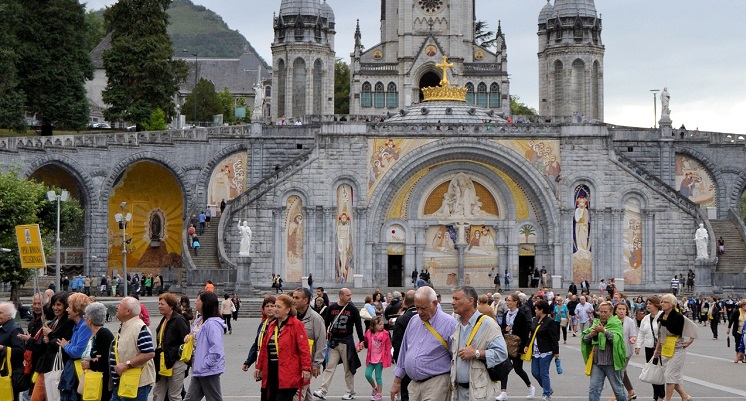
point(96, 354)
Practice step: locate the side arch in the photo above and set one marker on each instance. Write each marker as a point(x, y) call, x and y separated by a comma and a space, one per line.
point(716, 174)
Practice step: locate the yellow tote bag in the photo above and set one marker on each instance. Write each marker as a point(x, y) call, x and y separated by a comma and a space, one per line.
point(93, 385)
point(78, 367)
point(527, 356)
point(129, 382)
point(589, 363)
point(162, 369)
point(668, 346)
point(187, 349)
point(6, 387)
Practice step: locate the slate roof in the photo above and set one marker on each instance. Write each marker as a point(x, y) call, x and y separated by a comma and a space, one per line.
point(238, 75)
point(444, 112)
point(573, 8)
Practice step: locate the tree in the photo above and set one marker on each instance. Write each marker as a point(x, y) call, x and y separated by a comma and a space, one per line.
point(226, 100)
point(517, 108)
point(11, 97)
point(208, 102)
point(94, 27)
point(157, 121)
point(341, 87)
point(142, 76)
point(24, 202)
point(482, 36)
point(54, 63)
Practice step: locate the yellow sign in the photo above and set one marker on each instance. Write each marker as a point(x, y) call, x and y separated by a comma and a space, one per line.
point(30, 246)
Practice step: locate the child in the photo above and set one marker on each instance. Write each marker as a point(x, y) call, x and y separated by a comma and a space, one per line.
point(379, 354)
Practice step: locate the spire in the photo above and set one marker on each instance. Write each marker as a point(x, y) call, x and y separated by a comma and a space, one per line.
point(358, 36)
point(499, 29)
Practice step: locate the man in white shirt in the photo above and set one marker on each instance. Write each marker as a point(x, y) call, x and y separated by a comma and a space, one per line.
point(584, 312)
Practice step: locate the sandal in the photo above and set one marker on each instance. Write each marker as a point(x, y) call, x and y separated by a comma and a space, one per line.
point(632, 396)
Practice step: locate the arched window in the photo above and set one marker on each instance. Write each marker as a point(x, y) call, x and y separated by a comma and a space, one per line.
point(494, 95)
point(392, 96)
point(578, 87)
point(379, 99)
point(267, 91)
point(299, 88)
point(366, 98)
point(318, 71)
point(482, 95)
point(470, 93)
point(559, 90)
point(282, 76)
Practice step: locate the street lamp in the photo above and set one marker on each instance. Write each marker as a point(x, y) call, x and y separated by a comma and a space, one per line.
point(52, 196)
point(194, 90)
point(655, 107)
point(5, 250)
point(123, 219)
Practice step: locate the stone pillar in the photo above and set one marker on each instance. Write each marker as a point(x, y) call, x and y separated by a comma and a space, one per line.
point(648, 247)
point(703, 272)
point(327, 245)
point(243, 274)
point(617, 216)
point(460, 249)
point(619, 282)
point(362, 221)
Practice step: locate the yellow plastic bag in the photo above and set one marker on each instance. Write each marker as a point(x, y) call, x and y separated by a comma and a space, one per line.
point(163, 370)
point(78, 367)
point(589, 363)
point(668, 346)
point(187, 350)
point(93, 385)
point(6, 387)
point(129, 382)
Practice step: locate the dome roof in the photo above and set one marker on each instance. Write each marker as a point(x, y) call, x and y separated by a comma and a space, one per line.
point(326, 11)
point(546, 13)
point(302, 7)
point(444, 112)
point(573, 8)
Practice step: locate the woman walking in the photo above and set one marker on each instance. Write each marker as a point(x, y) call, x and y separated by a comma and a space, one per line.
point(736, 324)
point(226, 310)
point(170, 334)
point(671, 347)
point(76, 304)
point(647, 336)
point(515, 323)
point(629, 331)
point(208, 362)
point(561, 316)
point(61, 327)
point(543, 347)
point(284, 365)
point(268, 315)
point(236, 305)
point(96, 354)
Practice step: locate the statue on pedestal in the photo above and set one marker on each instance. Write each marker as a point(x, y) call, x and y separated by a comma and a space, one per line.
point(700, 238)
point(246, 233)
point(665, 100)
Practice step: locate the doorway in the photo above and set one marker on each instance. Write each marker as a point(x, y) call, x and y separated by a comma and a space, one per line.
point(428, 79)
point(396, 270)
point(524, 264)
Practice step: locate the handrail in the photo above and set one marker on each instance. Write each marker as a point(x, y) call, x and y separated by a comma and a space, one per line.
point(222, 254)
point(735, 218)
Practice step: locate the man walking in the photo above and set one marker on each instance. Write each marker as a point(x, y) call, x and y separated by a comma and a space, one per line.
point(400, 326)
point(133, 348)
point(316, 334)
point(605, 341)
point(584, 313)
point(424, 355)
point(476, 344)
point(675, 285)
point(341, 319)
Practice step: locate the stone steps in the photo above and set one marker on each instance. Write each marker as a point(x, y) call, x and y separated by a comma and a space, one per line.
point(734, 258)
point(208, 247)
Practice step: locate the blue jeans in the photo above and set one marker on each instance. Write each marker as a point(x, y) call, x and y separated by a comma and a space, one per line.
point(142, 394)
point(598, 373)
point(540, 372)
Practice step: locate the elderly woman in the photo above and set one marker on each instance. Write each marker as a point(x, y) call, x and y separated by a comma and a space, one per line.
point(561, 316)
point(671, 346)
point(76, 304)
point(285, 367)
point(10, 341)
point(647, 336)
point(96, 354)
point(319, 307)
point(268, 315)
point(169, 337)
point(499, 307)
point(737, 319)
point(629, 331)
point(543, 347)
point(61, 327)
point(209, 355)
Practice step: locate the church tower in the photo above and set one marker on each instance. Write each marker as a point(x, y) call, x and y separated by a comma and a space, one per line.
point(415, 35)
point(571, 60)
point(303, 60)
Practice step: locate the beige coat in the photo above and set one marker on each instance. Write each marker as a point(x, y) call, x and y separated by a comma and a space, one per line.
point(480, 385)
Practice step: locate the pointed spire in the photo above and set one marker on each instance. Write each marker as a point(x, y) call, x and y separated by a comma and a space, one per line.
point(499, 29)
point(358, 36)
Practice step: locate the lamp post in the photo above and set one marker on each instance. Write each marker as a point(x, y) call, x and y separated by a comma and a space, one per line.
point(655, 107)
point(123, 219)
point(194, 90)
point(52, 196)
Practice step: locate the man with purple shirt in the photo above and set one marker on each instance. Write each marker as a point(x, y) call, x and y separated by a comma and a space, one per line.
point(425, 356)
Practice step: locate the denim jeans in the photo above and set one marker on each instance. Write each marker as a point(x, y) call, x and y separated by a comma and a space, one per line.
point(598, 373)
point(540, 372)
point(142, 394)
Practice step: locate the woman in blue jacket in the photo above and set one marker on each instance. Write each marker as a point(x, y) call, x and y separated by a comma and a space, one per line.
point(208, 362)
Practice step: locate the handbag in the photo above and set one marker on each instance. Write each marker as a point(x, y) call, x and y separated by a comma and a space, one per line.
point(162, 369)
point(186, 350)
point(668, 346)
point(500, 370)
point(589, 363)
point(52, 378)
point(563, 322)
point(129, 380)
point(514, 343)
point(653, 373)
point(6, 386)
point(93, 385)
point(365, 314)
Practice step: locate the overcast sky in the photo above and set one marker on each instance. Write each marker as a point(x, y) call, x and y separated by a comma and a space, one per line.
point(693, 47)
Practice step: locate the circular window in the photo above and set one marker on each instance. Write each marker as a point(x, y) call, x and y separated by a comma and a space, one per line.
point(431, 6)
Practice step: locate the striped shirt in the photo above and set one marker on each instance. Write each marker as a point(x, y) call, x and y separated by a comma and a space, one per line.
point(144, 344)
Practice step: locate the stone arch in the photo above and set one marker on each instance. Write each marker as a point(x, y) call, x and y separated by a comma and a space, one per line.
point(585, 178)
point(454, 149)
point(396, 222)
point(540, 233)
point(739, 186)
point(203, 179)
point(632, 193)
point(295, 191)
point(350, 180)
point(77, 171)
point(427, 75)
point(716, 174)
point(300, 83)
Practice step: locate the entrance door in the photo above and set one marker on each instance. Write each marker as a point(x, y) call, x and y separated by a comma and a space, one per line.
point(524, 264)
point(396, 270)
point(429, 79)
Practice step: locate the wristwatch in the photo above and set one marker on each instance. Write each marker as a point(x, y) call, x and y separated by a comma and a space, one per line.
point(129, 365)
point(477, 354)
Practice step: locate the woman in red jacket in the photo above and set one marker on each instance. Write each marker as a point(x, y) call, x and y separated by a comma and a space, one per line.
point(284, 364)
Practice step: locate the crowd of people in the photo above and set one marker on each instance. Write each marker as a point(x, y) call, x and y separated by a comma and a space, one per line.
point(144, 285)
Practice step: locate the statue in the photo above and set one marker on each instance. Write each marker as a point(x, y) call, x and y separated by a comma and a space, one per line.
point(665, 100)
point(461, 237)
point(700, 238)
point(461, 200)
point(246, 233)
point(258, 102)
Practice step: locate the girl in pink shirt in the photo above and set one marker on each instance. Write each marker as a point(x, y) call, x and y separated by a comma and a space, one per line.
point(378, 342)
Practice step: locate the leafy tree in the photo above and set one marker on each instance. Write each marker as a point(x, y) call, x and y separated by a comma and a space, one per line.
point(94, 27)
point(208, 102)
point(518, 108)
point(25, 202)
point(11, 98)
point(341, 87)
point(482, 36)
point(157, 121)
point(54, 63)
point(142, 76)
point(226, 100)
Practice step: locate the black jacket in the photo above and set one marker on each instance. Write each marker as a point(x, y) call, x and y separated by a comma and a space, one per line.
point(520, 328)
point(9, 339)
point(63, 329)
point(547, 338)
point(100, 354)
point(400, 326)
point(173, 337)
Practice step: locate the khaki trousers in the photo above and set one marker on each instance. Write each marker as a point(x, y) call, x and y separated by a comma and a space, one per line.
point(337, 354)
point(170, 387)
point(436, 389)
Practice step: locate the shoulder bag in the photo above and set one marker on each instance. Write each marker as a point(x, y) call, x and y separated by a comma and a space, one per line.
point(6, 386)
point(498, 371)
point(653, 372)
point(52, 378)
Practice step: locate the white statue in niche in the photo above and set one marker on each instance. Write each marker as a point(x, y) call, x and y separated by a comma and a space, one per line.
point(700, 238)
point(461, 200)
point(246, 233)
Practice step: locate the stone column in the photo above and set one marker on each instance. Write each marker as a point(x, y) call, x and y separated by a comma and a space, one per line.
point(327, 245)
point(460, 248)
point(617, 237)
point(278, 253)
point(565, 237)
point(648, 247)
point(362, 221)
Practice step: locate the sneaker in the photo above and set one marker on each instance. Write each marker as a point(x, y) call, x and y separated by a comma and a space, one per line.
point(546, 398)
point(531, 392)
point(348, 396)
point(378, 397)
point(319, 394)
point(502, 397)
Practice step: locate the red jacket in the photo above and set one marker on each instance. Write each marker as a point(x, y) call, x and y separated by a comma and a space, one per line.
point(294, 355)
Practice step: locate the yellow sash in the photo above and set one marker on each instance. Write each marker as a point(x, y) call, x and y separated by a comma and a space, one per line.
point(162, 369)
point(527, 356)
point(437, 335)
point(589, 362)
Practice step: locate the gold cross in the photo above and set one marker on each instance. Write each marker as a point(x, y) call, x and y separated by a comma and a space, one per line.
point(445, 65)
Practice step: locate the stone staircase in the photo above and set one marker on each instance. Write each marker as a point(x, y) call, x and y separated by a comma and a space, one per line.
point(734, 258)
point(208, 249)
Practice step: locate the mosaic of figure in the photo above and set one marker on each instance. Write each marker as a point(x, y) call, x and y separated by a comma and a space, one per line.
point(294, 224)
point(632, 242)
point(581, 258)
point(345, 255)
point(695, 182)
point(228, 179)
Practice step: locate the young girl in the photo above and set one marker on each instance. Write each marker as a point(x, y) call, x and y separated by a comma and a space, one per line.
point(379, 354)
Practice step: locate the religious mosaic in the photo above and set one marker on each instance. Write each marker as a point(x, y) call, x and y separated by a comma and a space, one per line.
point(294, 235)
point(345, 261)
point(542, 154)
point(228, 179)
point(694, 181)
point(581, 247)
point(632, 242)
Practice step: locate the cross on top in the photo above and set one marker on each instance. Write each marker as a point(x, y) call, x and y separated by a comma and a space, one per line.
point(445, 65)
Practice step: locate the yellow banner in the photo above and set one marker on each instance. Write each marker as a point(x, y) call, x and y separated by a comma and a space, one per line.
point(30, 246)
